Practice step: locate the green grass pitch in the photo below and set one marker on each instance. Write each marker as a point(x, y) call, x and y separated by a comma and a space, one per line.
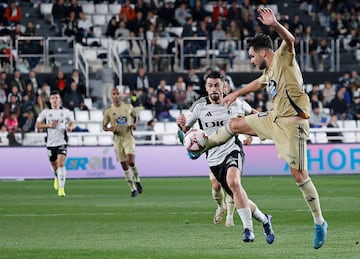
point(171, 219)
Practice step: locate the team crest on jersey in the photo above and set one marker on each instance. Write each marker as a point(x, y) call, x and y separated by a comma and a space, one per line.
point(272, 87)
point(121, 120)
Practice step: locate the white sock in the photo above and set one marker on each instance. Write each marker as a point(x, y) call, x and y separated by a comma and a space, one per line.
point(61, 172)
point(259, 216)
point(246, 218)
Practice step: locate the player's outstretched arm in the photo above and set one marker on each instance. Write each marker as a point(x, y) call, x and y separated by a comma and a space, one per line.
point(253, 86)
point(267, 17)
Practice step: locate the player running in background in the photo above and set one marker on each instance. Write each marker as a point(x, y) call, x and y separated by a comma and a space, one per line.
point(226, 161)
point(287, 124)
point(120, 118)
point(56, 122)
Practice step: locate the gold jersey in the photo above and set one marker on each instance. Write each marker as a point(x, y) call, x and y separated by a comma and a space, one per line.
point(284, 84)
point(122, 117)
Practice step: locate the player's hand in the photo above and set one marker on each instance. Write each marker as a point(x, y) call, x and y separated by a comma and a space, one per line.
point(266, 16)
point(248, 140)
point(194, 155)
point(181, 121)
point(229, 99)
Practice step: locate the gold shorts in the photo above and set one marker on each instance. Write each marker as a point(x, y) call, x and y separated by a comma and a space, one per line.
point(124, 146)
point(288, 133)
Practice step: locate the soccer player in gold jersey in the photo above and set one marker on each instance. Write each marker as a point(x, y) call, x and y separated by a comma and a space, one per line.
point(287, 123)
point(120, 118)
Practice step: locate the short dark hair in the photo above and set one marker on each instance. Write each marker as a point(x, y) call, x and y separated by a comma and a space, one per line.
point(215, 74)
point(54, 92)
point(261, 41)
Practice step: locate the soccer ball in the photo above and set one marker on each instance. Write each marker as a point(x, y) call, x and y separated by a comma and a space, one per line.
point(195, 140)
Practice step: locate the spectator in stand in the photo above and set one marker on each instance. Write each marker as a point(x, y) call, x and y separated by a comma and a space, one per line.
point(297, 25)
point(111, 27)
point(247, 8)
point(73, 99)
point(11, 122)
point(18, 80)
point(60, 83)
point(137, 23)
point(107, 76)
point(79, 80)
point(74, 7)
point(30, 92)
point(181, 14)
point(34, 81)
point(167, 14)
point(312, 60)
point(194, 80)
point(316, 91)
point(142, 7)
point(150, 99)
point(198, 12)
point(128, 11)
point(338, 26)
point(72, 28)
point(355, 78)
point(339, 106)
point(191, 96)
point(42, 101)
point(220, 13)
point(318, 118)
point(163, 87)
point(15, 92)
point(29, 123)
point(26, 106)
point(324, 54)
point(355, 106)
point(227, 50)
point(328, 93)
point(86, 27)
point(234, 30)
point(334, 137)
point(179, 94)
point(162, 107)
point(247, 25)
point(13, 106)
point(218, 34)
point(234, 12)
point(141, 80)
point(4, 80)
point(3, 97)
point(59, 13)
point(13, 14)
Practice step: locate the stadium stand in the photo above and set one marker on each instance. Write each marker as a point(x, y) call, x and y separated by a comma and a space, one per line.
point(66, 53)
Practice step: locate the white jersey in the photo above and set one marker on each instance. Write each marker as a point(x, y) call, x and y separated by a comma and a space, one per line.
point(212, 117)
point(57, 136)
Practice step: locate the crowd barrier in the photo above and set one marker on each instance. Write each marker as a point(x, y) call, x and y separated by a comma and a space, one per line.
point(170, 161)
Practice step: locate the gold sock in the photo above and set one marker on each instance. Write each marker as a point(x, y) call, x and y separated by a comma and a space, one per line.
point(129, 180)
point(311, 197)
point(219, 137)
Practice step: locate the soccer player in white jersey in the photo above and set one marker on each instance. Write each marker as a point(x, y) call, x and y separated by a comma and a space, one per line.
point(56, 122)
point(226, 161)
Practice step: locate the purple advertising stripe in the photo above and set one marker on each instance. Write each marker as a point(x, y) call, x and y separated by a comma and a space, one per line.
point(170, 161)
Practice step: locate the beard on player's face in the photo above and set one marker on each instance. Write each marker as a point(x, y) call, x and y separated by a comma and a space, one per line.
point(214, 97)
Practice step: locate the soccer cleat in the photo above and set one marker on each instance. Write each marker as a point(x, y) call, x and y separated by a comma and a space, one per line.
point(56, 184)
point(194, 155)
point(134, 193)
point(219, 214)
point(268, 231)
point(61, 192)
point(139, 187)
point(320, 235)
point(248, 236)
point(229, 223)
